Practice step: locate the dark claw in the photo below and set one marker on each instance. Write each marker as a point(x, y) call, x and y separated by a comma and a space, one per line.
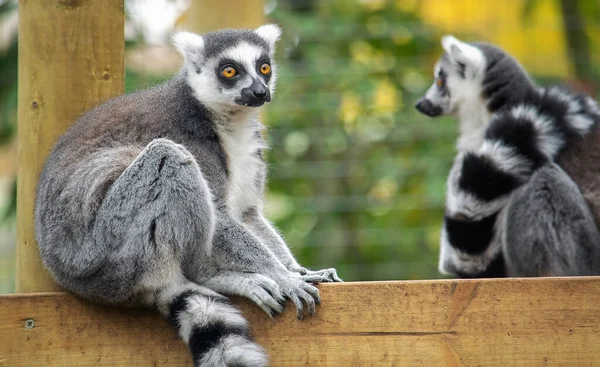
point(269, 291)
point(312, 311)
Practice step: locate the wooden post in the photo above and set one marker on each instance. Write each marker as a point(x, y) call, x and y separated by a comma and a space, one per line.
point(70, 59)
point(210, 15)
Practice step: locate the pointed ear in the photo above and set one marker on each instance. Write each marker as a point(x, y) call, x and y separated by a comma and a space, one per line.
point(463, 53)
point(270, 33)
point(454, 47)
point(191, 46)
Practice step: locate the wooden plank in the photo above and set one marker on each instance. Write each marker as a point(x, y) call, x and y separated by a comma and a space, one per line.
point(511, 322)
point(70, 59)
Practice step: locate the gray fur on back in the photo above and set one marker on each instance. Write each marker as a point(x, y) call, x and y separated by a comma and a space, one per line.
point(550, 225)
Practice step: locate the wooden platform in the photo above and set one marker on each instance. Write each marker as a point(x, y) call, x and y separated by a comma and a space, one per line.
point(534, 322)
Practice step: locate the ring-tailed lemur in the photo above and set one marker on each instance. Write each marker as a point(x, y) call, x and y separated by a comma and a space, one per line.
point(156, 197)
point(519, 189)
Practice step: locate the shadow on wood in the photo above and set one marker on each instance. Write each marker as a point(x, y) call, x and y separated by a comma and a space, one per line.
point(533, 322)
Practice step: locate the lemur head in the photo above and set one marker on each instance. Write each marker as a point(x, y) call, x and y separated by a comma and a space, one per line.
point(231, 69)
point(458, 76)
point(471, 77)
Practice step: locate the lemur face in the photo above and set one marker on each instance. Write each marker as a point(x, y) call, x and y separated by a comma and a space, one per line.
point(231, 69)
point(458, 76)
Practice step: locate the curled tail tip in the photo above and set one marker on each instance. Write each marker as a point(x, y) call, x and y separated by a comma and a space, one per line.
point(215, 331)
point(233, 350)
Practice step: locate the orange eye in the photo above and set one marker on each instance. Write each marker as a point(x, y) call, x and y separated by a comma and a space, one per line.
point(229, 72)
point(440, 82)
point(265, 69)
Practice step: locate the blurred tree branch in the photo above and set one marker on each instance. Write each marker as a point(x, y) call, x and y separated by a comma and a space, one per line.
point(577, 41)
point(576, 16)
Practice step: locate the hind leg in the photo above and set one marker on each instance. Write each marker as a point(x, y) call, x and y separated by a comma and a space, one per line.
point(158, 213)
point(549, 229)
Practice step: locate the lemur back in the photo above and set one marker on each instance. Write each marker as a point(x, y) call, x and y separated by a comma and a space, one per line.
point(155, 198)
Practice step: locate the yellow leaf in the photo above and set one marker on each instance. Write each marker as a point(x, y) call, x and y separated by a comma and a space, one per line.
point(386, 98)
point(361, 52)
point(350, 109)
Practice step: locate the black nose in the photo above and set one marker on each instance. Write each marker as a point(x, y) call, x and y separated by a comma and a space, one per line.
point(426, 107)
point(260, 93)
point(255, 95)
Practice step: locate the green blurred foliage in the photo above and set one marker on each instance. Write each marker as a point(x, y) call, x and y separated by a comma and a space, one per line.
point(8, 123)
point(357, 176)
point(8, 80)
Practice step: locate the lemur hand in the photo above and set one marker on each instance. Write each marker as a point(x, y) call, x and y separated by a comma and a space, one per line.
point(297, 289)
point(316, 276)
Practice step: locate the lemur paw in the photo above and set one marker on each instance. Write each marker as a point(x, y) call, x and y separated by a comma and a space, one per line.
point(319, 276)
point(261, 290)
point(267, 295)
point(299, 292)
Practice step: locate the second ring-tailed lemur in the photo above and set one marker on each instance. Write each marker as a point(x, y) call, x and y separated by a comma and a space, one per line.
point(526, 175)
point(157, 197)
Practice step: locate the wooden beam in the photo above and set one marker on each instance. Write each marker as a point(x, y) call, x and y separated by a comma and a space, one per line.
point(211, 15)
point(70, 59)
point(511, 322)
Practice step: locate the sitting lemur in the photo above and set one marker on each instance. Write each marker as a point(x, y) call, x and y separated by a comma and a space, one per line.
point(523, 195)
point(156, 198)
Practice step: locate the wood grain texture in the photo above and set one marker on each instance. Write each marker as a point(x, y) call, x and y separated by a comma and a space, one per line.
point(70, 59)
point(211, 15)
point(514, 322)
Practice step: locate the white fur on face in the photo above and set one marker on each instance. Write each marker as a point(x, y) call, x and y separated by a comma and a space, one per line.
point(464, 98)
point(247, 55)
point(207, 87)
point(468, 55)
point(466, 102)
point(434, 95)
point(202, 76)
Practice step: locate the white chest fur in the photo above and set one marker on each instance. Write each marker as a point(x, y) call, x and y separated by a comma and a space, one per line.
point(241, 145)
point(473, 120)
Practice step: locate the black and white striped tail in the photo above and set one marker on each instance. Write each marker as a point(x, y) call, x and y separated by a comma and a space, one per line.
point(214, 330)
point(518, 141)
